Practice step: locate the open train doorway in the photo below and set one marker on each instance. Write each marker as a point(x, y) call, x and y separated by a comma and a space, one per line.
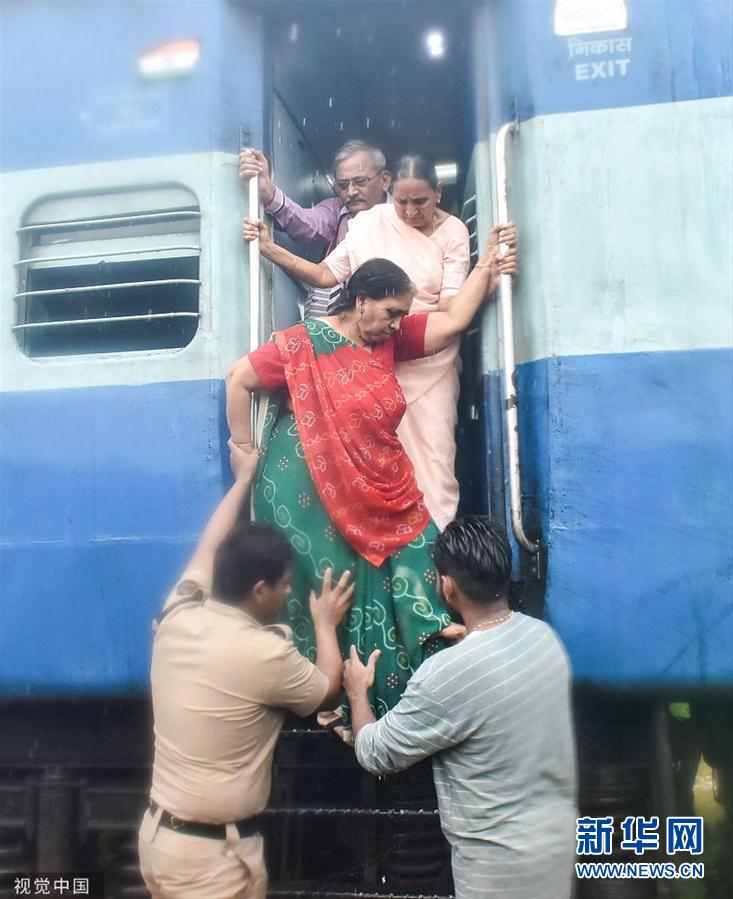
point(399, 75)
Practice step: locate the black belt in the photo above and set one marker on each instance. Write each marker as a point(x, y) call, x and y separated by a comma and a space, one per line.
point(247, 827)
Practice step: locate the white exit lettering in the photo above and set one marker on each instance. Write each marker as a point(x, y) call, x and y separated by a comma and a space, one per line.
point(606, 68)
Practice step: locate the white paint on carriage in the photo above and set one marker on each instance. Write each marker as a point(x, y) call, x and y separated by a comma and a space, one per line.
point(222, 333)
point(625, 223)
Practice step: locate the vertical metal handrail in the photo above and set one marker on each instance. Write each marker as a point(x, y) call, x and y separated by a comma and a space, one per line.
point(253, 196)
point(254, 292)
point(507, 332)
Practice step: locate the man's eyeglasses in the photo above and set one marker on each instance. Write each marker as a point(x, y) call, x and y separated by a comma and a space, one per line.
point(343, 185)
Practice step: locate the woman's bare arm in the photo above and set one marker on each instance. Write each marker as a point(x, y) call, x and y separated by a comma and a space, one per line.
point(444, 325)
point(316, 275)
point(241, 381)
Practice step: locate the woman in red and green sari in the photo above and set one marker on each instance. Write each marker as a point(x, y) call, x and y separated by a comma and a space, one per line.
point(333, 476)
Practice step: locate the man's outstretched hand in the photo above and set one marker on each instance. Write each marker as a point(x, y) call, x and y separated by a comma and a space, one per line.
point(243, 458)
point(358, 677)
point(332, 605)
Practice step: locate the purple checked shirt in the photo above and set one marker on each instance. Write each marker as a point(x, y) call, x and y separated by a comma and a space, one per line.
point(326, 222)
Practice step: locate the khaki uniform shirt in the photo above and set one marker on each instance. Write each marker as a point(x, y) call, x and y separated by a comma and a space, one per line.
point(221, 686)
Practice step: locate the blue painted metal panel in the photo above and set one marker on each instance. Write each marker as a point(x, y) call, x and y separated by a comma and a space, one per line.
point(105, 492)
point(627, 472)
point(628, 469)
point(69, 75)
point(494, 441)
point(680, 50)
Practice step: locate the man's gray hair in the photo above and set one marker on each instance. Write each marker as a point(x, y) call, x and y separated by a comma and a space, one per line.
point(356, 146)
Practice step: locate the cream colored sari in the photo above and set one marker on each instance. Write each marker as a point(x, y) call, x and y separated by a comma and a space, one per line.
point(438, 266)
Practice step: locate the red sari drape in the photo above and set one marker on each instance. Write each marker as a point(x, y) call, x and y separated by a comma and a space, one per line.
point(347, 406)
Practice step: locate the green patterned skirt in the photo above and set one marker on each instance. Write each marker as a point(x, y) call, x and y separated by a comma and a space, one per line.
point(396, 607)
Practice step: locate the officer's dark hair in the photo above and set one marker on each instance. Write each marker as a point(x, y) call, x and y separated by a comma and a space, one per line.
point(475, 552)
point(418, 167)
point(251, 552)
point(376, 279)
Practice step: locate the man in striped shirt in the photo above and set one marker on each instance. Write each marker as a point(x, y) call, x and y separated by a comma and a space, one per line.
point(494, 713)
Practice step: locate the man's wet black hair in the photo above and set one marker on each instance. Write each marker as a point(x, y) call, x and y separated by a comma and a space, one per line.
point(475, 552)
point(251, 552)
point(376, 279)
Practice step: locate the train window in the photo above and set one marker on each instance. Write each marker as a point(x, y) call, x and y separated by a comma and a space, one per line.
point(112, 272)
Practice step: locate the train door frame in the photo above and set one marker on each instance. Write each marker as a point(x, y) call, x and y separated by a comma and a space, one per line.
point(299, 748)
point(478, 445)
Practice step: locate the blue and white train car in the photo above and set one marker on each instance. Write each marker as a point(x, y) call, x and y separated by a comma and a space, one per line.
point(620, 177)
point(125, 297)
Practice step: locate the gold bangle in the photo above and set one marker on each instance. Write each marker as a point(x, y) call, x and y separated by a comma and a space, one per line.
point(295, 262)
point(483, 265)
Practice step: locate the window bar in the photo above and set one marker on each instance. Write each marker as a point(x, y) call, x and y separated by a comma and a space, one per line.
point(139, 217)
point(98, 321)
point(468, 202)
point(95, 287)
point(104, 254)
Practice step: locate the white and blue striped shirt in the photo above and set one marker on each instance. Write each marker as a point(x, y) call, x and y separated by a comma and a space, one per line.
point(494, 712)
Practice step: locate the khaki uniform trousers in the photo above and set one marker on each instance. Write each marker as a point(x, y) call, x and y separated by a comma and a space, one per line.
point(179, 866)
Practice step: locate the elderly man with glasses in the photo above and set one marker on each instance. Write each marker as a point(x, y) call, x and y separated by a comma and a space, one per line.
point(361, 181)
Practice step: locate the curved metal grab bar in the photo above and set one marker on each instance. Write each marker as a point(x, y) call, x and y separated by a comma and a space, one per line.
point(507, 332)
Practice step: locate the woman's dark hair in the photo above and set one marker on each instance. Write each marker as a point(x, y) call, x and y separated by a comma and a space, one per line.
point(251, 552)
point(376, 279)
point(475, 552)
point(415, 167)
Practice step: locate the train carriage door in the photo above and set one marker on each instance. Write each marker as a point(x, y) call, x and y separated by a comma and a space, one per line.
point(398, 76)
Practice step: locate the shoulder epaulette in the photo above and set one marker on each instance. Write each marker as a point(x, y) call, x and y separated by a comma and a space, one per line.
point(197, 597)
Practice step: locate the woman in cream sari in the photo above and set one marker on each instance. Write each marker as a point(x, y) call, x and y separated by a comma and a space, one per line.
point(432, 247)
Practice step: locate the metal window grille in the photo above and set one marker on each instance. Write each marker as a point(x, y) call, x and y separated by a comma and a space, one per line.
point(469, 218)
point(109, 272)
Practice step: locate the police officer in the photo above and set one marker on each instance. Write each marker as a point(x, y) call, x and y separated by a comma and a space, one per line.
point(223, 676)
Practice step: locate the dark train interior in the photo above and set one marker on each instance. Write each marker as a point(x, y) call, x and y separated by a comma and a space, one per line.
point(403, 81)
point(379, 72)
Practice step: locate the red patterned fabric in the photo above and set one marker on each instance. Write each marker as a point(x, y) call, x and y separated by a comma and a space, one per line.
point(408, 343)
point(347, 405)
